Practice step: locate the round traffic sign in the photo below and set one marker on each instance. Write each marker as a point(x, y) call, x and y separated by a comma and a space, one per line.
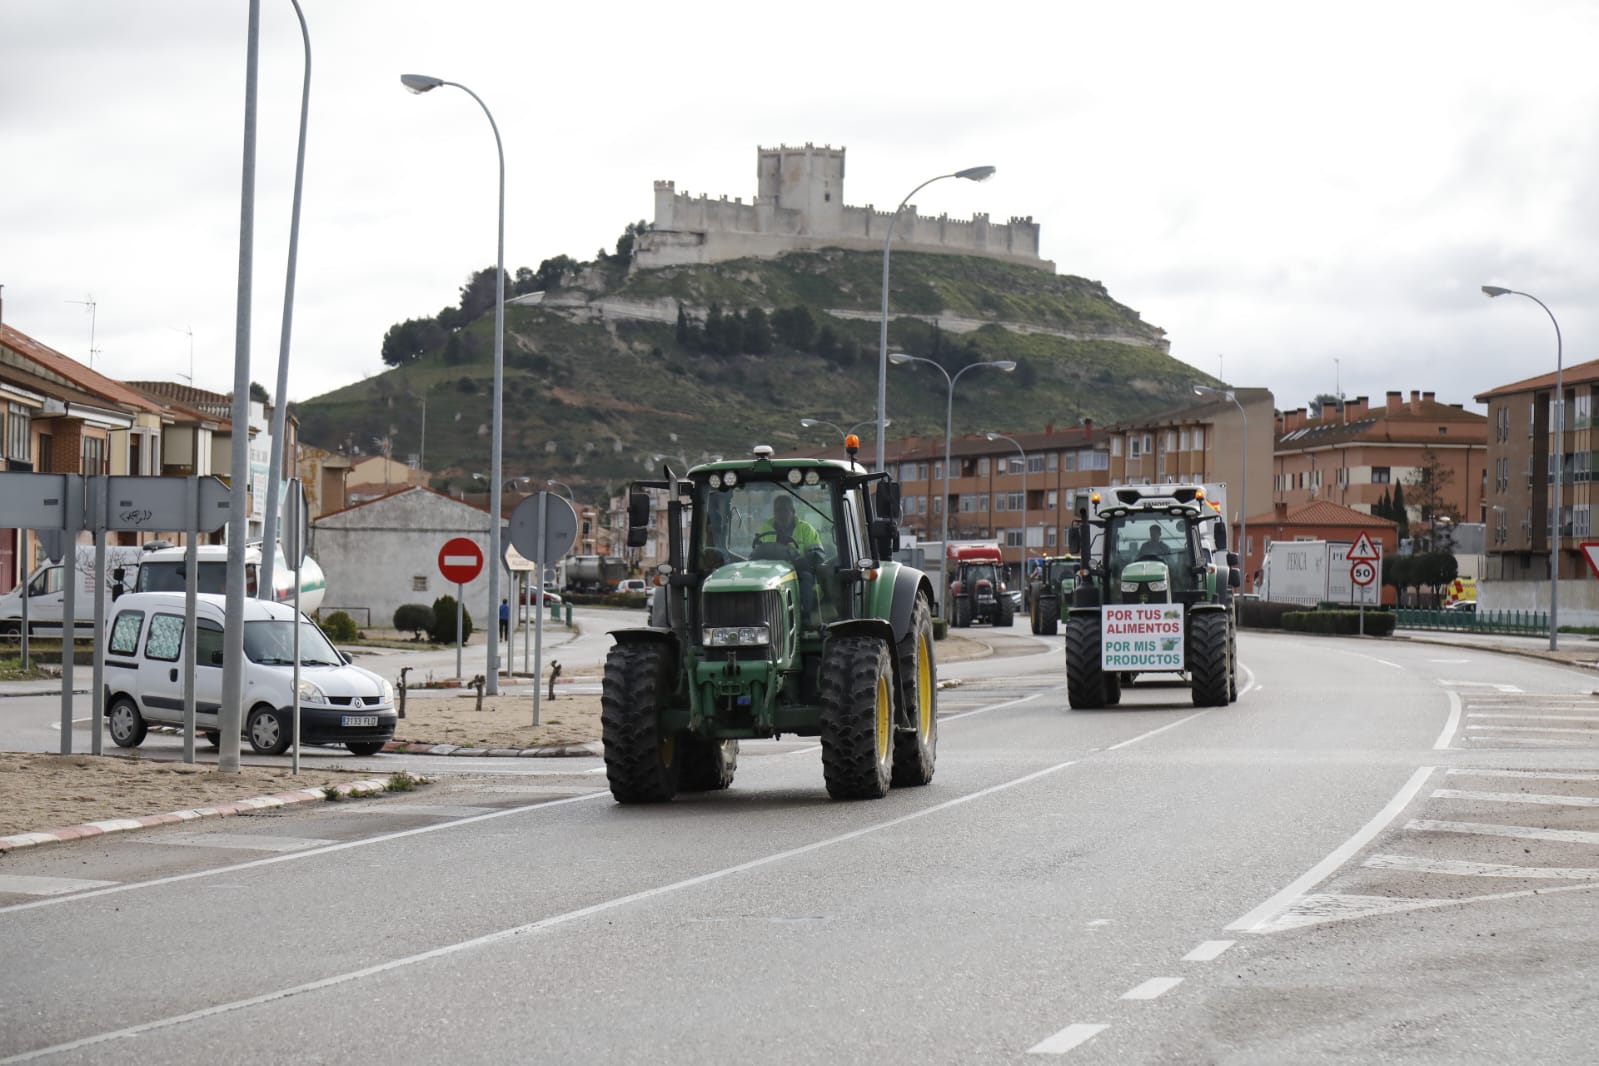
point(1363, 573)
point(460, 560)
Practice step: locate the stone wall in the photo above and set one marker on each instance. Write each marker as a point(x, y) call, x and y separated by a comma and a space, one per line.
point(800, 205)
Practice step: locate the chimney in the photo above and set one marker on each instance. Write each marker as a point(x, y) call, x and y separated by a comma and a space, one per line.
point(1049, 429)
point(1280, 510)
point(1415, 402)
point(1429, 397)
point(1356, 407)
point(1088, 427)
point(1395, 401)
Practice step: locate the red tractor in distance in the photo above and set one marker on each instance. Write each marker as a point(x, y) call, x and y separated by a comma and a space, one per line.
point(977, 593)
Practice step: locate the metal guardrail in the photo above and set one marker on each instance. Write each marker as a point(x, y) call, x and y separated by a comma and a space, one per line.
point(1512, 622)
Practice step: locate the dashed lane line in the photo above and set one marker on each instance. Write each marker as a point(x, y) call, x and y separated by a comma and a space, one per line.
point(1068, 1038)
point(1526, 729)
point(1153, 988)
point(1541, 775)
point(1537, 717)
point(241, 841)
point(1208, 951)
point(18, 885)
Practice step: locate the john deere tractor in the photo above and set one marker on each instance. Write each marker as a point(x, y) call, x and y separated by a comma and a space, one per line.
point(1154, 595)
point(1049, 593)
point(781, 612)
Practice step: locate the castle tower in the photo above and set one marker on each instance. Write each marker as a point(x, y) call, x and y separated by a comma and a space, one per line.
point(809, 181)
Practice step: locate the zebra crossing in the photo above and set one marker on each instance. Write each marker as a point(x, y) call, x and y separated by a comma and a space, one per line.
point(1505, 717)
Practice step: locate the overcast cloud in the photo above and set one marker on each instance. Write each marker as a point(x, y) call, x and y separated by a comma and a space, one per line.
point(1303, 198)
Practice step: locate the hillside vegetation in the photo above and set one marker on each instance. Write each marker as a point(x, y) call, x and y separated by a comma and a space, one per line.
point(754, 348)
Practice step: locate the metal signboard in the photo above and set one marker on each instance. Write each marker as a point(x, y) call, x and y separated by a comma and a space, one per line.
point(296, 526)
point(460, 560)
point(1364, 550)
point(515, 561)
point(35, 501)
point(560, 526)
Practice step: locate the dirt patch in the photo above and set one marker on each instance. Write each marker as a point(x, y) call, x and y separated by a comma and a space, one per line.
point(504, 721)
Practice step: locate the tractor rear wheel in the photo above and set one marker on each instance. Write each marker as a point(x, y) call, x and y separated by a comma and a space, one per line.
point(963, 612)
point(1232, 663)
point(706, 764)
point(1085, 673)
point(915, 752)
point(641, 763)
point(1005, 614)
point(1048, 609)
point(857, 718)
point(1207, 657)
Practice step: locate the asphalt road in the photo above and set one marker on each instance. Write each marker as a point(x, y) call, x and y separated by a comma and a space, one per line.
point(1383, 852)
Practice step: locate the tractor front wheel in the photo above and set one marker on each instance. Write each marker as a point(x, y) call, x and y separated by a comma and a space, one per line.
point(641, 762)
point(915, 751)
point(1086, 689)
point(1207, 656)
point(857, 718)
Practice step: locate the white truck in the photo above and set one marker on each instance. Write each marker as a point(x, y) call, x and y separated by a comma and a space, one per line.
point(162, 571)
point(45, 588)
point(1311, 572)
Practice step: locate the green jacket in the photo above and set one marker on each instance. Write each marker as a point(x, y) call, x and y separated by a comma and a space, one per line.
point(802, 537)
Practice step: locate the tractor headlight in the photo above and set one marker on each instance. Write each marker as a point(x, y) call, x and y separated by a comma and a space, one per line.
point(1129, 586)
point(1158, 586)
point(735, 636)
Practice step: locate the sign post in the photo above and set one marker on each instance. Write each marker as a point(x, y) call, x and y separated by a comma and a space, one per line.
point(460, 561)
point(542, 526)
point(295, 529)
point(1365, 565)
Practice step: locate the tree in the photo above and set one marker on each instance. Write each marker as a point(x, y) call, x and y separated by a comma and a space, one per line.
point(552, 273)
point(1401, 512)
point(1325, 404)
point(1384, 507)
point(629, 240)
point(794, 327)
point(258, 393)
point(478, 294)
point(409, 341)
point(1429, 488)
point(757, 337)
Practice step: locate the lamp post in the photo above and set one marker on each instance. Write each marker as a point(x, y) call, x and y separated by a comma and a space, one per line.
point(569, 497)
point(1243, 495)
point(1022, 571)
point(1560, 462)
point(421, 83)
point(899, 359)
point(843, 434)
point(970, 174)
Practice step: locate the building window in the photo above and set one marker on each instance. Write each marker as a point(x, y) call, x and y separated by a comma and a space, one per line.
point(907, 471)
point(1053, 458)
point(1199, 438)
point(982, 466)
point(1013, 538)
point(93, 456)
point(982, 503)
point(419, 582)
point(1116, 446)
point(1094, 460)
point(1381, 475)
point(1135, 446)
point(1185, 441)
point(18, 425)
point(1035, 463)
point(1015, 500)
point(1068, 461)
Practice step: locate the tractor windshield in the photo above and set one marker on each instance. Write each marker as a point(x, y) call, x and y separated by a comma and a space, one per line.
point(1148, 537)
point(762, 520)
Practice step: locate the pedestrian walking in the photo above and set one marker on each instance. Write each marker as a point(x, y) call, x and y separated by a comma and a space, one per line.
point(505, 618)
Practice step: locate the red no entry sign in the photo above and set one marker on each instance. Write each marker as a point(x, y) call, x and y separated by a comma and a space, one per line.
point(460, 560)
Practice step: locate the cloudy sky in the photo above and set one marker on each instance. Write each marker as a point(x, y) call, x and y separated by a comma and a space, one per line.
point(1305, 198)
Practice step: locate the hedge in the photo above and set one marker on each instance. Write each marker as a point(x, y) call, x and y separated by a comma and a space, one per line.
point(1343, 622)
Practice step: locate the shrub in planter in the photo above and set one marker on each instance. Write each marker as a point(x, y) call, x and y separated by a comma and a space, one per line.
point(1340, 622)
point(340, 628)
point(414, 618)
point(443, 630)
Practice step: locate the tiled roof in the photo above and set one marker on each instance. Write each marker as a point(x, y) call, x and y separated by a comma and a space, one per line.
point(52, 362)
point(1321, 513)
point(1407, 425)
point(1580, 373)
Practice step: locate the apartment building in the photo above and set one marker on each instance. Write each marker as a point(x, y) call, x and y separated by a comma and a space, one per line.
point(1358, 455)
point(1018, 489)
point(1522, 458)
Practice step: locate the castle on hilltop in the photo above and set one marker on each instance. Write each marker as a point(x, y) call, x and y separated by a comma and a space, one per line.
point(799, 206)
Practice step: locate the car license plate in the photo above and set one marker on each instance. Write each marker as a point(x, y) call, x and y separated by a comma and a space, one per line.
point(357, 720)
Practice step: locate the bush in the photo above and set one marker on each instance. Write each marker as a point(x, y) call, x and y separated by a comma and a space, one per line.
point(1342, 622)
point(443, 629)
point(1262, 614)
point(340, 628)
point(414, 618)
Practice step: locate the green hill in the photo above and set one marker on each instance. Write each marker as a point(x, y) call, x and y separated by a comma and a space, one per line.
point(607, 372)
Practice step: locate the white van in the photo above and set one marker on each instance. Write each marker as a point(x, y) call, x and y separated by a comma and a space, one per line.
point(45, 588)
point(162, 571)
point(339, 703)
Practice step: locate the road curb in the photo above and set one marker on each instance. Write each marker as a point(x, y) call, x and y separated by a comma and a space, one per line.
point(547, 751)
point(369, 787)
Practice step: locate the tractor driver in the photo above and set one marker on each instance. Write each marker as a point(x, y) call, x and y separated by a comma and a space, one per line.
point(1153, 546)
point(799, 536)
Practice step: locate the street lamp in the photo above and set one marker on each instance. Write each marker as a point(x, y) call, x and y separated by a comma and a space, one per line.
point(1243, 496)
point(569, 497)
point(1000, 436)
point(1560, 462)
point(899, 359)
point(811, 423)
point(970, 174)
point(421, 83)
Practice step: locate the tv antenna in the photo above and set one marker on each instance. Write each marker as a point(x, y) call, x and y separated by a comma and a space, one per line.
point(189, 332)
point(90, 304)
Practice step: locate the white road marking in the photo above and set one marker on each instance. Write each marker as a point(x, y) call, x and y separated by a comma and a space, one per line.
point(1153, 988)
point(1515, 832)
point(1529, 742)
point(1451, 724)
point(1066, 1039)
point(246, 841)
point(1527, 729)
point(1268, 910)
point(1542, 775)
point(443, 810)
point(1477, 869)
point(1101, 921)
point(1333, 907)
point(16, 884)
point(1537, 717)
point(1209, 950)
point(1478, 684)
point(541, 924)
point(1162, 729)
point(1449, 661)
point(1516, 797)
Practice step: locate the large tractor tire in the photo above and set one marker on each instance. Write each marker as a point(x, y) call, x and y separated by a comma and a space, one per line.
point(915, 752)
point(1085, 673)
point(1208, 663)
point(1046, 611)
point(705, 763)
point(1232, 662)
point(641, 762)
point(963, 612)
point(1005, 614)
point(857, 718)
point(1113, 688)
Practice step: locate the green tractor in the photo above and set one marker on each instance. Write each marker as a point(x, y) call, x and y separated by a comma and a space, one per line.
point(783, 612)
point(1153, 596)
point(1049, 593)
